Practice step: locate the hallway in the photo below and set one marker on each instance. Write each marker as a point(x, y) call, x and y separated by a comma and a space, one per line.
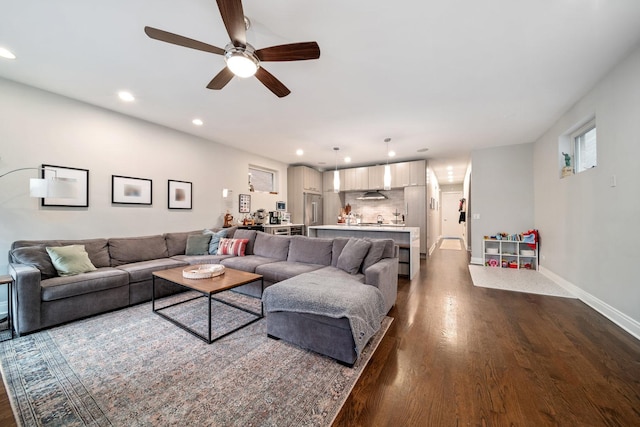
point(461, 355)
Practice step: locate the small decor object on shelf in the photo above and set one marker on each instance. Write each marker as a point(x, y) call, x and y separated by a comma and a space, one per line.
point(203, 271)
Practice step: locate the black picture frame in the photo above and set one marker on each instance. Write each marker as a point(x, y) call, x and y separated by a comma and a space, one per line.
point(127, 190)
point(82, 181)
point(244, 203)
point(180, 195)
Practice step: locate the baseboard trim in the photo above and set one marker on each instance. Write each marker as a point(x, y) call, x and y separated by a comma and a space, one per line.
point(619, 318)
point(477, 261)
point(433, 247)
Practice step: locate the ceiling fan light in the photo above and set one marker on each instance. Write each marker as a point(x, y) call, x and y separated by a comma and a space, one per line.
point(241, 63)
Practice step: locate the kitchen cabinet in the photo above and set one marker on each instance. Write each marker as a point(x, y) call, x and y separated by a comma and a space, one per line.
point(415, 199)
point(376, 177)
point(311, 180)
point(417, 172)
point(356, 179)
point(400, 175)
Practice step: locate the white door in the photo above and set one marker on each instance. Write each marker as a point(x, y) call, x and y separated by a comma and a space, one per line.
point(450, 215)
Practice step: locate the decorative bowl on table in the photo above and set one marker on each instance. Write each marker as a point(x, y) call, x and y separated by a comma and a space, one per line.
point(203, 271)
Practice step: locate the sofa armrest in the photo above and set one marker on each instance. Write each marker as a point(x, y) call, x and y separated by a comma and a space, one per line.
point(384, 276)
point(26, 297)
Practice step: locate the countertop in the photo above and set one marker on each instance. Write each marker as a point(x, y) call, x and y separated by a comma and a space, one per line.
point(355, 227)
point(282, 225)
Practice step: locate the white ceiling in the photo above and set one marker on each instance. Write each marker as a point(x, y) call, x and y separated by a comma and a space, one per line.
point(449, 76)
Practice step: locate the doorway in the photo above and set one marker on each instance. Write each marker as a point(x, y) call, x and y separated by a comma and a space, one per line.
point(451, 228)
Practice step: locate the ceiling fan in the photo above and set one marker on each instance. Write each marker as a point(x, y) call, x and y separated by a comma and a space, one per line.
point(242, 59)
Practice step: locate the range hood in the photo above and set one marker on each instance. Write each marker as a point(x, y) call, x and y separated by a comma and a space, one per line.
point(372, 195)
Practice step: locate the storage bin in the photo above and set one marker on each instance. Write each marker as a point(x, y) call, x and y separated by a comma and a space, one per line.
point(527, 252)
point(493, 251)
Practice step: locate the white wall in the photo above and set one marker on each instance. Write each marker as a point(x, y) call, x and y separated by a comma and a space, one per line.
point(502, 193)
point(589, 228)
point(39, 127)
point(433, 215)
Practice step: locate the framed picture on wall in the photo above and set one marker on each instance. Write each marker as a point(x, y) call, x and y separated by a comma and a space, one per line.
point(244, 203)
point(78, 182)
point(130, 191)
point(180, 196)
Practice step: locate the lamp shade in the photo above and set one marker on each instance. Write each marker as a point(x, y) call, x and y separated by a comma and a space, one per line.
point(387, 177)
point(59, 188)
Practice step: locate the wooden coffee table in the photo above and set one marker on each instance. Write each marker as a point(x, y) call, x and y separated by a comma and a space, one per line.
point(207, 288)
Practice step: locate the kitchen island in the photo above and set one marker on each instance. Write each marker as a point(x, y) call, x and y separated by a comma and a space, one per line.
point(407, 238)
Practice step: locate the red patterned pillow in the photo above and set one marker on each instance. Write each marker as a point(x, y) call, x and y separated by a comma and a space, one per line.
point(234, 247)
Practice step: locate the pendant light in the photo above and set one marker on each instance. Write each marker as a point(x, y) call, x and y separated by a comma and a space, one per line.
point(336, 174)
point(387, 169)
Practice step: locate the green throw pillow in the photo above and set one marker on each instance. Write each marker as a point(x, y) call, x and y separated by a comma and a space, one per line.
point(70, 260)
point(198, 244)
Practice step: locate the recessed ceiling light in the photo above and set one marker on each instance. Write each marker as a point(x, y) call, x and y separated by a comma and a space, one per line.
point(422, 150)
point(6, 53)
point(450, 173)
point(197, 122)
point(299, 152)
point(347, 159)
point(450, 179)
point(126, 96)
point(449, 168)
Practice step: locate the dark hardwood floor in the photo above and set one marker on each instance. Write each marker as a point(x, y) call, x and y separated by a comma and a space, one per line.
point(459, 355)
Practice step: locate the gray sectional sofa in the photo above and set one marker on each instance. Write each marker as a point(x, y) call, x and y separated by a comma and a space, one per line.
point(124, 267)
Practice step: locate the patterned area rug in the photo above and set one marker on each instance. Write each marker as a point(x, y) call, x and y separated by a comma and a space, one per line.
point(133, 368)
point(508, 279)
point(452, 244)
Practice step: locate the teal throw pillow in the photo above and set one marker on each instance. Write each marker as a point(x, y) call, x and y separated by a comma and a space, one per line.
point(215, 239)
point(70, 260)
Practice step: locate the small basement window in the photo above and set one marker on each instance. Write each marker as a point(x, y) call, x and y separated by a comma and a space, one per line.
point(262, 179)
point(584, 147)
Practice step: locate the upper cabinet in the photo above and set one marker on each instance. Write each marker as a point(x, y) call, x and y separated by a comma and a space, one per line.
point(400, 175)
point(305, 178)
point(376, 177)
point(356, 179)
point(417, 172)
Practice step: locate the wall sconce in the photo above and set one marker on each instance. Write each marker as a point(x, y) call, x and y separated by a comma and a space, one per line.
point(56, 187)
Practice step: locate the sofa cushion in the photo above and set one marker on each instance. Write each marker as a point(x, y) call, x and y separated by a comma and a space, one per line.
point(282, 270)
point(234, 247)
point(177, 242)
point(70, 260)
point(126, 250)
point(143, 270)
point(352, 255)
point(198, 244)
point(246, 263)
point(310, 250)
point(201, 259)
point(336, 273)
point(36, 256)
point(338, 245)
point(246, 234)
point(272, 246)
point(376, 251)
point(86, 283)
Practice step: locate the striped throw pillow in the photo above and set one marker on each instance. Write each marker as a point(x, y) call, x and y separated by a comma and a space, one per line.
point(235, 247)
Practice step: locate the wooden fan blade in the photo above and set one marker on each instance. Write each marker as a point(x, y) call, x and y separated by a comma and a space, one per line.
point(233, 18)
point(221, 79)
point(273, 84)
point(165, 36)
point(290, 52)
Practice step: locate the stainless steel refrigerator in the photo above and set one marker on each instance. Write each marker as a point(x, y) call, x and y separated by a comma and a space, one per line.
point(312, 209)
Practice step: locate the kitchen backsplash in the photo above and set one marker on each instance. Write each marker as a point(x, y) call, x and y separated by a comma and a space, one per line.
point(370, 209)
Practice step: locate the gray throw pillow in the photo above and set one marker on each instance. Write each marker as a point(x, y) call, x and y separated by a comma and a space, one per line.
point(375, 253)
point(352, 255)
point(198, 244)
point(36, 256)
